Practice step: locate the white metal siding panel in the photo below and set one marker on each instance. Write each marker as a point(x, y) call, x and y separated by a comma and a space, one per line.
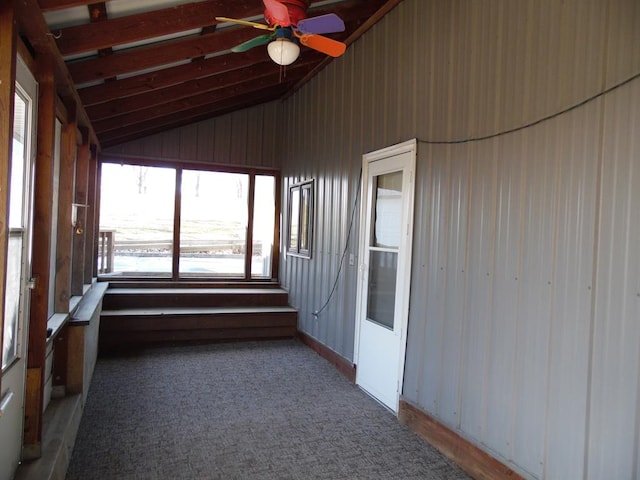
point(503, 351)
point(501, 348)
point(479, 292)
point(614, 416)
point(456, 213)
point(572, 288)
point(249, 137)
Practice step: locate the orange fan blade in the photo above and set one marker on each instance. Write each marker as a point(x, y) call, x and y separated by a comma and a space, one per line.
point(323, 44)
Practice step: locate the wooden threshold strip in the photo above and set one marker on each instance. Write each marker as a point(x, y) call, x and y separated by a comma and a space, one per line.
point(476, 462)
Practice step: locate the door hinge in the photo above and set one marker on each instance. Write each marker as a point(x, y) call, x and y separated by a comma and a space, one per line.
point(31, 284)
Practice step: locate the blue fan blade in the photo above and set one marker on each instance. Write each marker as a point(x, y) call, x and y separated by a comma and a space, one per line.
point(329, 23)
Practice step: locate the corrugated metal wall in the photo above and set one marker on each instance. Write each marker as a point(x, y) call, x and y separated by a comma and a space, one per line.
point(247, 138)
point(524, 332)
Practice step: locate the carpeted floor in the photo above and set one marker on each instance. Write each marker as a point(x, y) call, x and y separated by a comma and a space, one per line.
point(256, 410)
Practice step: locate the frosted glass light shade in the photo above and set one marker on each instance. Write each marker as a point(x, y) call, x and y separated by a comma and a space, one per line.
point(283, 51)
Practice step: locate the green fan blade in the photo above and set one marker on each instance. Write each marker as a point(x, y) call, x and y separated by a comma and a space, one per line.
point(254, 42)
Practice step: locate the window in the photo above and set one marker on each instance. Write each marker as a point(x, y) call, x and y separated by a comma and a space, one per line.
point(184, 221)
point(300, 219)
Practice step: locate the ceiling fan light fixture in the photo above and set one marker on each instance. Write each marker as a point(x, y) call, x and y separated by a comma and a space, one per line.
point(283, 51)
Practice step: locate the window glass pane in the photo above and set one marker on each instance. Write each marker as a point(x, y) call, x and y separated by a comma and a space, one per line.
point(10, 342)
point(264, 207)
point(12, 299)
point(54, 214)
point(381, 299)
point(17, 163)
point(305, 210)
point(136, 211)
point(294, 218)
point(387, 210)
point(213, 223)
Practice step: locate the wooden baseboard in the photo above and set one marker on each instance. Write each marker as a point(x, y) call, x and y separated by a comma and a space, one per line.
point(474, 461)
point(344, 366)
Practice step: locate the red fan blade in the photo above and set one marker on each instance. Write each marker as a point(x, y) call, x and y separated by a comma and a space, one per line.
point(276, 13)
point(323, 44)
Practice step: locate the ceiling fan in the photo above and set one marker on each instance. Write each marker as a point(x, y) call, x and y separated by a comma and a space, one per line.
point(288, 25)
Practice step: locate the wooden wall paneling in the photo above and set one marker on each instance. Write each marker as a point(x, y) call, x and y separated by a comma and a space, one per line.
point(8, 39)
point(75, 361)
point(65, 230)
point(79, 230)
point(90, 252)
point(61, 360)
point(42, 227)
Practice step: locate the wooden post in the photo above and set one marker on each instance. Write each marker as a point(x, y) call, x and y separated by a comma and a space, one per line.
point(177, 209)
point(248, 249)
point(65, 200)
point(275, 245)
point(8, 40)
point(90, 251)
point(41, 270)
point(80, 228)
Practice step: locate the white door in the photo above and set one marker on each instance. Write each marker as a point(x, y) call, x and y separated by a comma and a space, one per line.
point(386, 232)
point(16, 313)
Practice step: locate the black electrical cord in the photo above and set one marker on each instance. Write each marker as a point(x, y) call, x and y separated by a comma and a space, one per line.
point(535, 122)
point(466, 140)
point(344, 252)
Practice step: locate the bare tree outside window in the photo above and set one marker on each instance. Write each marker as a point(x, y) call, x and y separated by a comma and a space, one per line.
point(141, 174)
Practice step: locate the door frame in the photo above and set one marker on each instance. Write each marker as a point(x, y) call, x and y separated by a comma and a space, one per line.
point(409, 146)
point(12, 401)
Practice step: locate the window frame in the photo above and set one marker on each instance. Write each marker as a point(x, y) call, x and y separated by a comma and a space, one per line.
point(302, 194)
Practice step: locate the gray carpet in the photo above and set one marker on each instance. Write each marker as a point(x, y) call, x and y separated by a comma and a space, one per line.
point(255, 410)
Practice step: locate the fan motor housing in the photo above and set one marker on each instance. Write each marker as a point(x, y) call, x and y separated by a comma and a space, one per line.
point(297, 11)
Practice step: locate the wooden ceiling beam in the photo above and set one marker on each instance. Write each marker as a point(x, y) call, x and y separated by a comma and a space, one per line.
point(151, 24)
point(37, 32)
point(186, 117)
point(141, 58)
point(167, 77)
point(170, 108)
point(268, 71)
point(48, 5)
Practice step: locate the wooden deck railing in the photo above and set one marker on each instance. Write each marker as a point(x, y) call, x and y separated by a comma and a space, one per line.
point(105, 251)
point(107, 247)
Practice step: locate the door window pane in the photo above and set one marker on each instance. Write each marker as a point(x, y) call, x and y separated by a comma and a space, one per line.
point(264, 208)
point(16, 231)
point(137, 207)
point(387, 210)
point(213, 223)
point(381, 298)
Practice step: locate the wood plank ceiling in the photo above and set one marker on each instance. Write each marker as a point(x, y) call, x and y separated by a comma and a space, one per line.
point(144, 66)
